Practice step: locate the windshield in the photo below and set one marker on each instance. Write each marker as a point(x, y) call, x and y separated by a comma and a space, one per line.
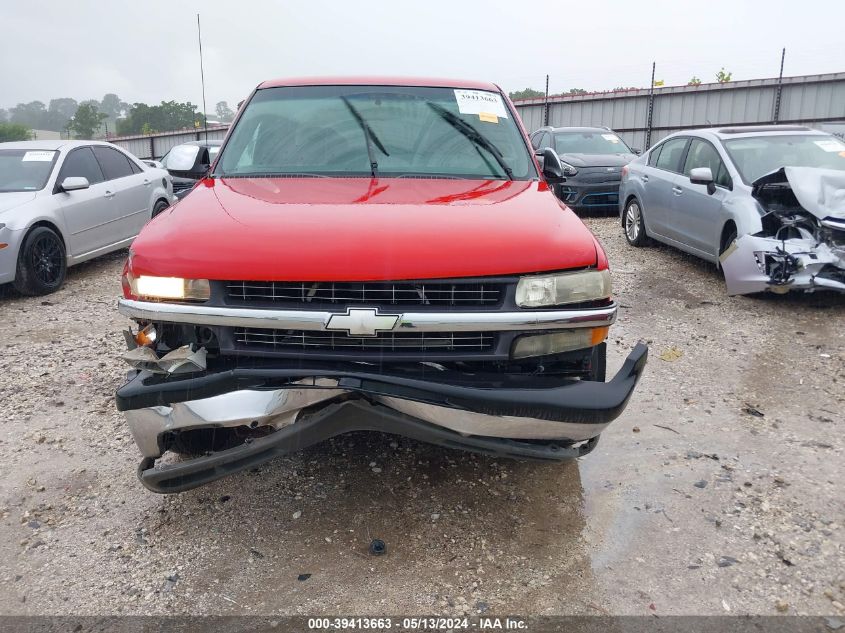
point(757, 156)
point(388, 131)
point(590, 143)
point(25, 170)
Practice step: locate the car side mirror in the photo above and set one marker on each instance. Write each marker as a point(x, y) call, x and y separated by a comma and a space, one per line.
point(153, 163)
point(636, 150)
point(74, 183)
point(550, 163)
point(703, 176)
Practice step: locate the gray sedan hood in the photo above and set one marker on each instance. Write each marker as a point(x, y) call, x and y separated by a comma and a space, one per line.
point(819, 191)
point(597, 160)
point(11, 199)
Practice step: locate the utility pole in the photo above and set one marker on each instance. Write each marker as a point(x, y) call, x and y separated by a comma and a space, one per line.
point(779, 89)
point(650, 107)
point(546, 104)
point(202, 78)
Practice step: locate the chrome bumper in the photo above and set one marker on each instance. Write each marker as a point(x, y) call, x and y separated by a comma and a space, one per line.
point(501, 406)
point(282, 407)
point(417, 321)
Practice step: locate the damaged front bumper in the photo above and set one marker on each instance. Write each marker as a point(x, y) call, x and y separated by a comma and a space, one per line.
point(757, 264)
point(529, 417)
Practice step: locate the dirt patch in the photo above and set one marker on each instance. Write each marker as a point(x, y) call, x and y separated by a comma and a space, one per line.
point(689, 504)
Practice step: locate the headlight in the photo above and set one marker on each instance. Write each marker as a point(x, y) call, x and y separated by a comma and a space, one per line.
point(170, 288)
point(568, 170)
point(563, 341)
point(558, 290)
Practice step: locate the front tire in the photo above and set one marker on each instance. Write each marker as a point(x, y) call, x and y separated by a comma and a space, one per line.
point(42, 263)
point(634, 224)
point(158, 207)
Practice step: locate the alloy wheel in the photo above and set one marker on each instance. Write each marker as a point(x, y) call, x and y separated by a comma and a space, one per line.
point(46, 259)
point(633, 219)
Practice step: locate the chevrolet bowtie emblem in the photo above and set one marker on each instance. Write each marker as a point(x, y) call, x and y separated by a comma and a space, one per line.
point(362, 322)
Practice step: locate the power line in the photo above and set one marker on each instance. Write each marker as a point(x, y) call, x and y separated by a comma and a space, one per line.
point(202, 79)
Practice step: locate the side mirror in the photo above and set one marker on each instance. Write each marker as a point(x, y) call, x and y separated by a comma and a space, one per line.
point(636, 150)
point(703, 176)
point(552, 169)
point(74, 183)
point(153, 163)
point(185, 161)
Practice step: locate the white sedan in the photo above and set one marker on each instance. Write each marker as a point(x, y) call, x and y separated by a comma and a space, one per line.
point(63, 202)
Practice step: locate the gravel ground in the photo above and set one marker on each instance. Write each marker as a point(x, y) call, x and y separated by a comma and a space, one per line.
point(718, 491)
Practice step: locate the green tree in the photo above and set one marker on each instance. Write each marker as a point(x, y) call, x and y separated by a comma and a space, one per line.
point(86, 122)
point(576, 91)
point(30, 114)
point(224, 112)
point(59, 112)
point(528, 93)
point(14, 132)
point(4, 115)
point(723, 76)
point(112, 106)
point(695, 81)
point(169, 115)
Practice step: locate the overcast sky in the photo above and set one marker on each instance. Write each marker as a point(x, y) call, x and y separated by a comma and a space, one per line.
point(147, 51)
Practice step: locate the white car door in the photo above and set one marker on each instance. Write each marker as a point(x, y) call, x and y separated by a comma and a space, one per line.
point(132, 192)
point(87, 212)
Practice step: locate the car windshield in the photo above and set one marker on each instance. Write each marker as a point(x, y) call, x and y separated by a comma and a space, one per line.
point(25, 170)
point(757, 156)
point(388, 131)
point(589, 143)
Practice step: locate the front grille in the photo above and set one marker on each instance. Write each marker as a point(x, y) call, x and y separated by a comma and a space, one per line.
point(600, 199)
point(293, 340)
point(374, 293)
point(182, 186)
point(599, 174)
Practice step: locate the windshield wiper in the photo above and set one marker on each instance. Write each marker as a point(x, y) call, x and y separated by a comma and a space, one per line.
point(369, 136)
point(271, 174)
point(476, 137)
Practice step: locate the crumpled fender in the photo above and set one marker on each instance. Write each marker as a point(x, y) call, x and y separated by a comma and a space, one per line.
point(741, 264)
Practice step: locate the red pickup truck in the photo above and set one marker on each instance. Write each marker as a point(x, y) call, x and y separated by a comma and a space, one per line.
point(368, 254)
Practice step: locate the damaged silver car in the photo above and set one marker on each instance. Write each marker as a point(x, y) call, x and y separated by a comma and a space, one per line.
point(766, 204)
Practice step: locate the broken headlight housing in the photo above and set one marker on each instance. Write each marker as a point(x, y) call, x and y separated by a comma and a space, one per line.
point(562, 289)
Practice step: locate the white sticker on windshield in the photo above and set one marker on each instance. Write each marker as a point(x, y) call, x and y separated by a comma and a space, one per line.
point(831, 145)
point(38, 156)
point(480, 102)
point(610, 137)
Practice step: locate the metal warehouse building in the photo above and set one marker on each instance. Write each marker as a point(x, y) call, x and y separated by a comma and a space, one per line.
point(158, 144)
point(813, 100)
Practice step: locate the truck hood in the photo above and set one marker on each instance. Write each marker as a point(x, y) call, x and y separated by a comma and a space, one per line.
point(11, 199)
point(356, 229)
point(819, 191)
point(597, 160)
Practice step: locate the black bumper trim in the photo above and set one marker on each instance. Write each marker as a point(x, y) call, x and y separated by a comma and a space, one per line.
point(336, 419)
point(581, 402)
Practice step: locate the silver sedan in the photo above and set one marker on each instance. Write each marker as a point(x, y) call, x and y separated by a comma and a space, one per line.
point(766, 204)
point(63, 202)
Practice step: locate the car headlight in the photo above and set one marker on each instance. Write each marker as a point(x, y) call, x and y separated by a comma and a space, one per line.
point(150, 287)
point(558, 290)
point(568, 170)
point(563, 341)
